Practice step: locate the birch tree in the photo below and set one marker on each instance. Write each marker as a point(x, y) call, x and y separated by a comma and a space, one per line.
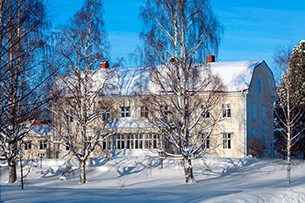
point(177, 35)
point(290, 108)
point(20, 72)
point(76, 105)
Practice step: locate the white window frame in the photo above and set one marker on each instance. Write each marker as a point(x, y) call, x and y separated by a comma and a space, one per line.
point(125, 111)
point(120, 141)
point(27, 145)
point(144, 111)
point(164, 111)
point(227, 140)
point(206, 110)
point(105, 115)
point(226, 110)
point(205, 140)
point(43, 144)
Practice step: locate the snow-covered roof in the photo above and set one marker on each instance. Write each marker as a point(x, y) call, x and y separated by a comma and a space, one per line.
point(41, 130)
point(236, 76)
point(127, 81)
point(128, 122)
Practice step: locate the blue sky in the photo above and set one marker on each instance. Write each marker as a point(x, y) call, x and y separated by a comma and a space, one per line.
point(252, 28)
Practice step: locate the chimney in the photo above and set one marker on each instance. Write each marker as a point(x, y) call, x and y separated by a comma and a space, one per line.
point(210, 58)
point(104, 64)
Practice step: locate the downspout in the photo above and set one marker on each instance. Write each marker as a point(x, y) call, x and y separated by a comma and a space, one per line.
point(245, 107)
point(273, 128)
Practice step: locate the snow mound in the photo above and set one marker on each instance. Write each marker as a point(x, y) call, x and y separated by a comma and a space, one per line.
point(151, 179)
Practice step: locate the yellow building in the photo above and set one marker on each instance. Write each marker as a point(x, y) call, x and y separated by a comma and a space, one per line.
point(246, 126)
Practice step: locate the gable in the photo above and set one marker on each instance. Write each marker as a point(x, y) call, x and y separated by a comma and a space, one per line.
point(236, 76)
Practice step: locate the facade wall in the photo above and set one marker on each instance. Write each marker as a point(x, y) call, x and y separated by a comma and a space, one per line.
point(229, 135)
point(36, 147)
point(260, 111)
point(129, 139)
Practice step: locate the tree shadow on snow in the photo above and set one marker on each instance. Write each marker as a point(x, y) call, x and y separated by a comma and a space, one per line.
point(139, 166)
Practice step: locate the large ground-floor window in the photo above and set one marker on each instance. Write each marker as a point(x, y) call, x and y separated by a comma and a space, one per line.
point(133, 141)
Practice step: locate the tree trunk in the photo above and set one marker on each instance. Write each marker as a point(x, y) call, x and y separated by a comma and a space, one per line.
point(288, 161)
point(12, 171)
point(188, 170)
point(21, 174)
point(82, 170)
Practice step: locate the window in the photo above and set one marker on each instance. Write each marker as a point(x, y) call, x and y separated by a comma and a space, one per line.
point(104, 145)
point(107, 143)
point(164, 111)
point(125, 111)
point(27, 145)
point(254, 132)
point(144, 112)
point(69, 115)
point(147, 141)
point(67, 146)
point(90, 134)
point(134, 141)
point(105, 115)
point(264, 114)
point(205, 111)
point(150, 141)
point(226, 110)
point(43, 144)
point(156, 142)
point(120, 142)
point(227, 141)
point(205, 140)
point(254, 115)
point(259, 85)
point(138, 142)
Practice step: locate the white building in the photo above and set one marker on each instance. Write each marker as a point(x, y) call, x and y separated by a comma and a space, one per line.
point(247, 112)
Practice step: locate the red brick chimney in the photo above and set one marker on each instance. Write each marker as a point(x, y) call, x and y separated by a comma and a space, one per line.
point(210, 58)
point(104, 64)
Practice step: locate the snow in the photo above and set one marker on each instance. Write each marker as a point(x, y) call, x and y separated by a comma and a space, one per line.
point(236, 76)
point(125, 81)
point(141, 179)
point(129, 122)
point(41, 130)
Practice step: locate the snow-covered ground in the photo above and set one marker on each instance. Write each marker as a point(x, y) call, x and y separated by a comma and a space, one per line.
point(141, 179)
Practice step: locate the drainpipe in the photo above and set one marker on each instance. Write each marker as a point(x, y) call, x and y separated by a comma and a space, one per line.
point(245, 108)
